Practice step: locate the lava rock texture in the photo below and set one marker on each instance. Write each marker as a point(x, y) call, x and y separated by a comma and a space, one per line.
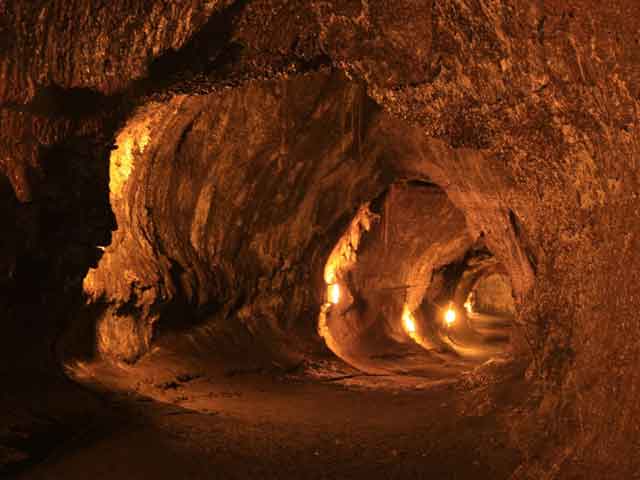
point(228, 144)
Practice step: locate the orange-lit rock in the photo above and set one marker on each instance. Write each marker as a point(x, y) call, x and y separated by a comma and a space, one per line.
point(249, 134)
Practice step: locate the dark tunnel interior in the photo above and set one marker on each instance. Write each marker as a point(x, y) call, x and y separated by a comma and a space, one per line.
point(319, 239)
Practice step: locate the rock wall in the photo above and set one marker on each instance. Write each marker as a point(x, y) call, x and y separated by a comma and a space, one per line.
point(533, 108)
point(547, 97)
point(416, 232)
point(227, 203)
point(492, 294)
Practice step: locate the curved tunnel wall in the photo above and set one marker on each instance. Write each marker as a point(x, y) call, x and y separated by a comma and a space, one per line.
point(493, 295)
point(416, 232)
point(547, 120)
point(226, 203)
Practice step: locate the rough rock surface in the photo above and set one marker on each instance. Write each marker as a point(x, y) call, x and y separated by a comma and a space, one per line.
point(493, 295)
point(524, 113)
point(418, 231)
point(225, 202)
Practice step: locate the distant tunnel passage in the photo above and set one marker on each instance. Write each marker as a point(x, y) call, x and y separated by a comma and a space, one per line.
point(392, 302)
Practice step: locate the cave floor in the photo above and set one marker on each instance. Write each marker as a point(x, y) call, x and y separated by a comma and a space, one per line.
point(262, 425)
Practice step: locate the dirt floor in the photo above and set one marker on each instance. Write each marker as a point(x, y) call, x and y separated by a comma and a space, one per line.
point(311, 424)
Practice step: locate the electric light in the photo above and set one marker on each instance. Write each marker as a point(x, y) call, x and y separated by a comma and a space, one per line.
point(450, 316)
point(330, 274)
point(408, 322)
point(334, 293)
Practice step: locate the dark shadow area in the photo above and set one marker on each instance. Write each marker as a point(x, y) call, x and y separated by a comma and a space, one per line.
point(209, 50)
point(54, 101)
point(66, 222)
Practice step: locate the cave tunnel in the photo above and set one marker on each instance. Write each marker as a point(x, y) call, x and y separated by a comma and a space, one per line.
point(402, 284)
point(338, 239)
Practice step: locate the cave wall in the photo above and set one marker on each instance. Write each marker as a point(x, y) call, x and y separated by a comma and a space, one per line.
point(416, 231)
point(540, 102)
point(492, 294)
point(540, 114)
point(227, 203)
point(420, 231)
point(536, 103)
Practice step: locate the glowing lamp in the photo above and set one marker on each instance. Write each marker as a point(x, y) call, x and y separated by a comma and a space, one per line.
point(408, 322)
point(449, 316)
point(334, 293)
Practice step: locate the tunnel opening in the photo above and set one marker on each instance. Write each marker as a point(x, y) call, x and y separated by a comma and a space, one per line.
point(222, 234)
point(252, 133)
point(221, 225)
point(409, 290)
point(492, 294)
point(215, 264)
point(286, 251)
